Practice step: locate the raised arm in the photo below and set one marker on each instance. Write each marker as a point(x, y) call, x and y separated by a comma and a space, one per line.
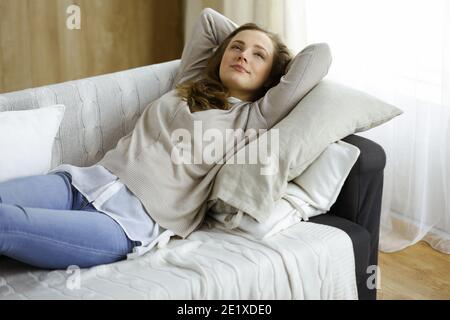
point(304, 72)
point(208, 33)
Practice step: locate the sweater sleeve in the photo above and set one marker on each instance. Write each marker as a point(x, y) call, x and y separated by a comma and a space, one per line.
point(303, 73)
point(208, 33)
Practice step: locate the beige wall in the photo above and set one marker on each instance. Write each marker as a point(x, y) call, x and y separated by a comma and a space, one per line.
point(36, 47)
point(192, 10)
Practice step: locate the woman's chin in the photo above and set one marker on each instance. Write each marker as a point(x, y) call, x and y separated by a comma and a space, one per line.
point(237, 85)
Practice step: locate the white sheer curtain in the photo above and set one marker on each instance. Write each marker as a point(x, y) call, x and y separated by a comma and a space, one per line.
point(398, 51)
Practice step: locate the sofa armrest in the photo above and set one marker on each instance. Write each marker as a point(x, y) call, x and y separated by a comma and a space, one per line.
point(365, 178)
point(360, 198)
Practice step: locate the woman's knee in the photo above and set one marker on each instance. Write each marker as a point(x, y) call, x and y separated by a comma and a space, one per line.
point(4, 211)
point(10, 216)
point(6, 224)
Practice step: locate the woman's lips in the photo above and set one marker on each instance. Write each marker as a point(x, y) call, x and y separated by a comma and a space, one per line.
point(239, 68)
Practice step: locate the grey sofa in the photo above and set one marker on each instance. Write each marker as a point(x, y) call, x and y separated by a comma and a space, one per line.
point(100, 110)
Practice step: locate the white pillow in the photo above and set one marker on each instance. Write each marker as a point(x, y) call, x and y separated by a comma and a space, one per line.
point(26, 141)
point(310, 194)
point(320, 184)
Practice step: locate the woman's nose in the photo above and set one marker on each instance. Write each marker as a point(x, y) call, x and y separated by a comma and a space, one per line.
point(242, 56)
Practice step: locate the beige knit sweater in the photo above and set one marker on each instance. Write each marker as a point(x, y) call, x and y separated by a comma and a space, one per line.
point(175, 194)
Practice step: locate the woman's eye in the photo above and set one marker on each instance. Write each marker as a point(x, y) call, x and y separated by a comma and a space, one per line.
point(235, 47)
point(260, 55)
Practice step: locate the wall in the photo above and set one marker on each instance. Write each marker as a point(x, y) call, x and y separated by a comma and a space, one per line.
point(192, 11)
point(37, 48)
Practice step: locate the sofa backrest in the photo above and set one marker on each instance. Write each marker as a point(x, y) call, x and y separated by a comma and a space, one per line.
point(99, 110)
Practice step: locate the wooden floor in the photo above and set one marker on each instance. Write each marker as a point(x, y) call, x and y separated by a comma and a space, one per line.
point(418, 272)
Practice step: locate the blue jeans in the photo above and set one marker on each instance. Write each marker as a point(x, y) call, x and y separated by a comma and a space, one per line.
point(47, 223)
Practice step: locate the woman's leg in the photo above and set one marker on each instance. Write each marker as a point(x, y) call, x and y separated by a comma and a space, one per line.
point(51, 191)
point(56, 239)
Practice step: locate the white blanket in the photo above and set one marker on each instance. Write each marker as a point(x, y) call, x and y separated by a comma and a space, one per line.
point(305, 261)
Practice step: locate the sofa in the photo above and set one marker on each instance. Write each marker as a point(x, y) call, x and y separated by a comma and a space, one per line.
point(102, 109)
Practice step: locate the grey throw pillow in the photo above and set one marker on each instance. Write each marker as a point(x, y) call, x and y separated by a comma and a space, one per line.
point(328, 113)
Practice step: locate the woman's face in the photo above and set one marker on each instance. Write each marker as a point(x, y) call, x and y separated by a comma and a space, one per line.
point(252, 50)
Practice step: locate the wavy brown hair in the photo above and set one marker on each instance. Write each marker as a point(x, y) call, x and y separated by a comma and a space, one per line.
point(209, 93)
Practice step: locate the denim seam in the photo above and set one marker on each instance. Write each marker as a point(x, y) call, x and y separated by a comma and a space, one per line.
point(63, 243)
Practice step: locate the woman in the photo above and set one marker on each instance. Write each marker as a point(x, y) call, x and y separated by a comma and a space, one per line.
point(137, 196)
